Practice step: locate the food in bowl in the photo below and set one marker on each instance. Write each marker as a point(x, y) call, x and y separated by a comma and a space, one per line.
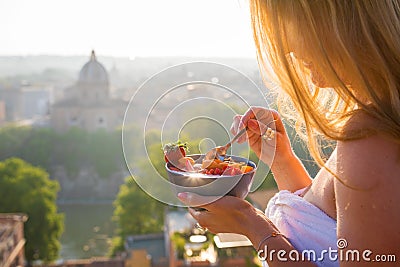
point(175, 154)
point(195, 173)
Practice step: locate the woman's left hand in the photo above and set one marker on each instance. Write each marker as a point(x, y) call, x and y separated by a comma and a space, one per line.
point(227, 215)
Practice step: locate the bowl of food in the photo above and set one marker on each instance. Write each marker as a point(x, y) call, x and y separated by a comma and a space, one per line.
point(231, 175)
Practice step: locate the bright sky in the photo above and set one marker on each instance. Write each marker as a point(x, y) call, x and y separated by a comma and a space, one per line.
point(126, 27)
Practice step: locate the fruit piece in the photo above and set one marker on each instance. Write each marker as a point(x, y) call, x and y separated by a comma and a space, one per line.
point(228, 171)
point(231, 171)
point(211, 171)
point(238, 171)
point(173, 152)
point(188, 166)
point(246, 168)
point(236, 164)
point(217, 171)
point(212, 164)
point(206, 163)
point(190, 159)
point(222, 165)
point(182, 161)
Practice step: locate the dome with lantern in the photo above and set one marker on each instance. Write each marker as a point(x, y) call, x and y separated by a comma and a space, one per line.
point(88, 104)
point(93, 72)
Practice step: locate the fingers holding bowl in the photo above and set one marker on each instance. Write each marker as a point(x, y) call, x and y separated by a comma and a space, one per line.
point(222, 216)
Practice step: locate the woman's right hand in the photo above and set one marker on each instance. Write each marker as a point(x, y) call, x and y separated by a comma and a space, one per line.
point(257, 120)
point(276, 152)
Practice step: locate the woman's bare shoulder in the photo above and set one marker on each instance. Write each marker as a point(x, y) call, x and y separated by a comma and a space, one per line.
point(369, 161)
point(367, 193)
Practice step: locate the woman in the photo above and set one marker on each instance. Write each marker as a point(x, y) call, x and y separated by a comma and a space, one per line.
point(339, 64)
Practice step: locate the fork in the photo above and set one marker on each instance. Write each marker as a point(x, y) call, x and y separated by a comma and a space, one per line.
point(220, 151)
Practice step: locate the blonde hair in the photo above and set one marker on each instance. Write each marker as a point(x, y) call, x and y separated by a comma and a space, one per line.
point(355, 46)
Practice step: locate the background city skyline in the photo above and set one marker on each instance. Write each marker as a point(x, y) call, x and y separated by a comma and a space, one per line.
point(122, 28)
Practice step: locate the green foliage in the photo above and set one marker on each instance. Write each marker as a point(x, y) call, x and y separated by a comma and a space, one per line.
point(73, 149)
point(28, 189)
point(100, 149)
point(179, 240)
point(136, 212)
point(268, 183)
point(117, 245)
point(213, 122)
point(38, 146)
point(104, 151)
point(156, 157)
point(12, 140)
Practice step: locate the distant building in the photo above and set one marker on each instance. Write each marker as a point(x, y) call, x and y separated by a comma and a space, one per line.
point(26, 102)
point(88, 104)
point(12, 241)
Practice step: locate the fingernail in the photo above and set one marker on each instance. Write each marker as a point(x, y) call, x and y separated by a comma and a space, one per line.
point(182, 195)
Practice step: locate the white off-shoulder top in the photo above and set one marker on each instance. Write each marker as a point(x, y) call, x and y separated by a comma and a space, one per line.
point(310, 230)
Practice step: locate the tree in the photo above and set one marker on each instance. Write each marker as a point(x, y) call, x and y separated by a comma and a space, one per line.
point(136, 213)
point(28, 189)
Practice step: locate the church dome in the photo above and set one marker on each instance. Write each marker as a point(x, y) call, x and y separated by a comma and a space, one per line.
point(93, 72)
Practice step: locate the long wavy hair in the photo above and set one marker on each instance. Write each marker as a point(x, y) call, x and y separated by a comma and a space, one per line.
point(353, 46)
